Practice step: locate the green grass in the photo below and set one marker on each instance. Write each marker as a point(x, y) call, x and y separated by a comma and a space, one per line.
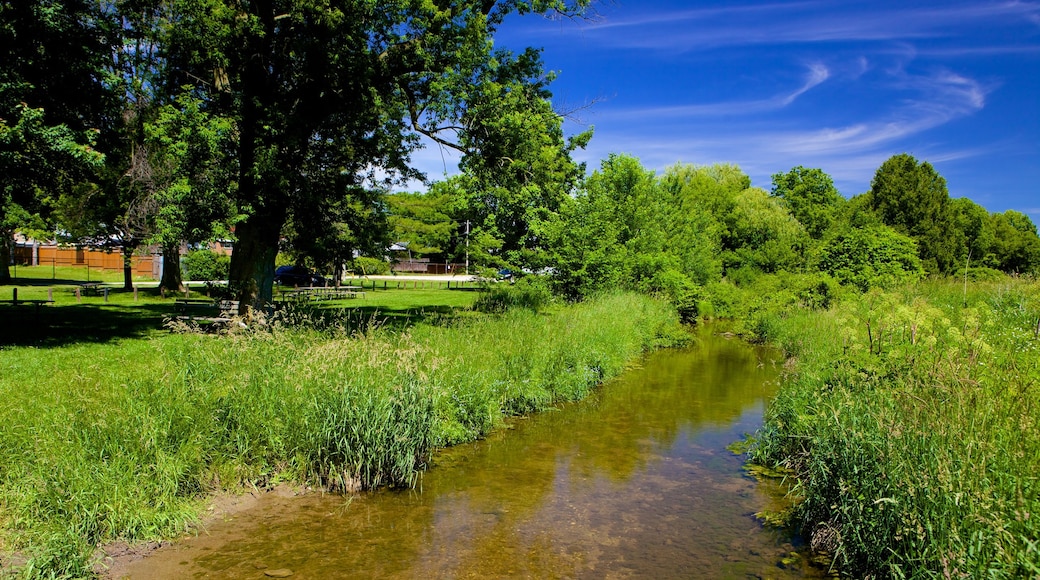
point(102, 441)
point(911, 421)
point(126, 314)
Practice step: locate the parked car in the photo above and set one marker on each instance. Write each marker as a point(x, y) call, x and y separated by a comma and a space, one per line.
point(298, 276)
point(504, 274)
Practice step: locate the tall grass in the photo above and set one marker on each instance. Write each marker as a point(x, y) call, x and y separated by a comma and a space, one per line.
point(123, 440)
point(911, 423)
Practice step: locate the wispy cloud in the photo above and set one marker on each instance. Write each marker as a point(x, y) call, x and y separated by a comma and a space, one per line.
point(816, 75)
point(804, 22)
point(850, 151)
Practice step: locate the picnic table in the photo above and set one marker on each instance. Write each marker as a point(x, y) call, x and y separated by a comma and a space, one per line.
point(203, 309)
point(36, 302)
point(321, 293)
point(94, 288)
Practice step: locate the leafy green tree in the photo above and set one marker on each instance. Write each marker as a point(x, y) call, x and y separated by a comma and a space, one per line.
point(869, 257)
point(762, 234)
point(190, 180)
point(973, 223)
point(595, 236)
point(424, 220)
point(329, 98)
point(811, 196)
point(518, 163)
point(113, 209)
point(1015, 246)
point(912, 198)
point(53, 102)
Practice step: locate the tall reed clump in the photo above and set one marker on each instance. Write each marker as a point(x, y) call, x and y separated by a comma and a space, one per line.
point(910, 422)
point(123, 440)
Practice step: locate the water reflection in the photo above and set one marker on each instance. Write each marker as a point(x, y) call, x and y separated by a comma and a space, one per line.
point(633, 482)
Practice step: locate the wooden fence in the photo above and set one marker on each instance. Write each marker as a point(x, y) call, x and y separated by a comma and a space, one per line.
point(86, 257)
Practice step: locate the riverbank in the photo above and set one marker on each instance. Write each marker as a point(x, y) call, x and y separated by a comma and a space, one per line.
point(910, 422)
point(125, 440)
point(633, 481)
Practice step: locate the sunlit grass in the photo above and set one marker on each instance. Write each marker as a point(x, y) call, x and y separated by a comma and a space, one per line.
point(122, 439)
point(911, 423)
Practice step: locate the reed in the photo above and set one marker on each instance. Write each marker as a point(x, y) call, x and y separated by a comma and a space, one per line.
point(124, 440)
point(910, 423)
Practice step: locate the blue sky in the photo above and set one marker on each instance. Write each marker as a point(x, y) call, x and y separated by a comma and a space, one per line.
point(837, 85)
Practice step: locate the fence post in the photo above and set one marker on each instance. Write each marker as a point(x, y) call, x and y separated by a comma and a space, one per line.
point(77, 296)
point(135, 293)
point(50, 294)
point(15, 297)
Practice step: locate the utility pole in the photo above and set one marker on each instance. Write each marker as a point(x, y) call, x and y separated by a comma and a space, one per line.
point(467, 247)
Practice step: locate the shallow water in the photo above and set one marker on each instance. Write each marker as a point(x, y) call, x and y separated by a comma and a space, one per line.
point(634, 482)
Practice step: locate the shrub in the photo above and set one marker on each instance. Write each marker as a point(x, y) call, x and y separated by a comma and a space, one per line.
point(370, 266)
point(872, 257)
point(205, 265)
point(530, 292)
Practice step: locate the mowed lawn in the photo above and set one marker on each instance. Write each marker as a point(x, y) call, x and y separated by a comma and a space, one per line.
point(93, 316)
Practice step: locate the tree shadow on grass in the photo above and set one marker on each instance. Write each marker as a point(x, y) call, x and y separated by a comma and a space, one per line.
point(53, 326)
point(50, 326)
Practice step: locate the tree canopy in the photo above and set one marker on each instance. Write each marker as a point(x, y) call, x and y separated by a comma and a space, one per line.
point(330, 99)
point(912, 198)
point(811, 196)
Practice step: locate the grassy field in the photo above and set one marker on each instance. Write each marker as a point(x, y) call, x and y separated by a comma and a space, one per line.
point(127, 314)
point(911, 422)
point(122, 438)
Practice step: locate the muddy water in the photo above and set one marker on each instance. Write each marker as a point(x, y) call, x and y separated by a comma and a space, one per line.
point(634, 482)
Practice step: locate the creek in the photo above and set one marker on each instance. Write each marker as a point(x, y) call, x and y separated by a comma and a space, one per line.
point(633, 482)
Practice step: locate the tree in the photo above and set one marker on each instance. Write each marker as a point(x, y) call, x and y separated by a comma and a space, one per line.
point(912, 198)
point(190, 182)
point(973, 222)
point(762, 234)
point(329, 98)
point(53, 102)
point(115, 209)
point(870, 257)
point(811, 196)
point(594, 238)
point(518, 163)
point(1015, 247)
point(423, 220)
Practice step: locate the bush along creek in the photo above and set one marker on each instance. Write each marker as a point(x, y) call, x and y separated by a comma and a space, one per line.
point(909, 420)
point(124, 441)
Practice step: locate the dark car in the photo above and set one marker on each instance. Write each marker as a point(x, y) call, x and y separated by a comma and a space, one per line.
point(298, 276)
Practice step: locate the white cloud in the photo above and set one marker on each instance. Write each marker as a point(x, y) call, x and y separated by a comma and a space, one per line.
point(817, 74)
point(804, 22)
point(850, 152)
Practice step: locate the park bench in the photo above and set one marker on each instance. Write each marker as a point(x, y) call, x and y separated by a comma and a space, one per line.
point(205, 310)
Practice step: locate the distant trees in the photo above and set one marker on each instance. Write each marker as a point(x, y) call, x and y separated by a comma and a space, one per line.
point(811, 196)
point(870, 257)
point(53, 105)
point(1015, 246)
point(424, 220)
point(912, 198)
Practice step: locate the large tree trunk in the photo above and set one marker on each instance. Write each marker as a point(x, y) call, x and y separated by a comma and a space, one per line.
point(5, 256)
point(170, 280)
point(252, 261)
